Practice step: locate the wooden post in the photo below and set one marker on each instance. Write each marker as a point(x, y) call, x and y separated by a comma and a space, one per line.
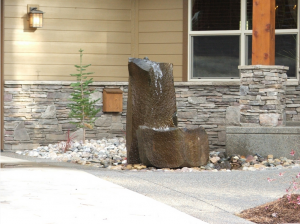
point(263, 32)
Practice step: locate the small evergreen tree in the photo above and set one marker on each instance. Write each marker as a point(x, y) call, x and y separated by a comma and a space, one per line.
point(82, 108)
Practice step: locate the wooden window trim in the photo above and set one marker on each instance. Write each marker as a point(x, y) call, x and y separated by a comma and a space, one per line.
point(186, 51)
point(185, 41)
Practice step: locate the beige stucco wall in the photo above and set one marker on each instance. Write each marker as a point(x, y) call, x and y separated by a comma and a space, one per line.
point(109, 31)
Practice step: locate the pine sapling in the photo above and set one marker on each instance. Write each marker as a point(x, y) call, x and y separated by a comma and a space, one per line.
point(82, 108)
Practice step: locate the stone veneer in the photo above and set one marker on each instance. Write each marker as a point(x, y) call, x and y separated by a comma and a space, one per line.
point(35, 112)
point(262, 95)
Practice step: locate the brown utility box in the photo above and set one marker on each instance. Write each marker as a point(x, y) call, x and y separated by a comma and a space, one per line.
point(112, 100)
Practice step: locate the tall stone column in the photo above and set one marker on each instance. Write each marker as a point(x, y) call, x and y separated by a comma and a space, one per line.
point(262, 95)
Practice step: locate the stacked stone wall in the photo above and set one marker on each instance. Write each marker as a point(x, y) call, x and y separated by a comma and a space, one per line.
point(36, 113)
point(292, 109)
point(262, 95)
point(206, 106)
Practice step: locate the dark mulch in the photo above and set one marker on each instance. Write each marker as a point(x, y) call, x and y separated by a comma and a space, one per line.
point(276, 212)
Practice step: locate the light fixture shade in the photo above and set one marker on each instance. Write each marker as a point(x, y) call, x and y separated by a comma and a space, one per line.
point(36, 18)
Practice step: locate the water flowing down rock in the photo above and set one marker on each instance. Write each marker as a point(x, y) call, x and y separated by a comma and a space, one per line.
point(152, 136)
point(151, 100)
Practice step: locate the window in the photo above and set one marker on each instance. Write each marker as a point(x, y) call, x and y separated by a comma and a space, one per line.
point(220, 37)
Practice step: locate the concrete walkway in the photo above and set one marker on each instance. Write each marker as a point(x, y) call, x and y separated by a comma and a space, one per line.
point(44, 191)
point(54, 195)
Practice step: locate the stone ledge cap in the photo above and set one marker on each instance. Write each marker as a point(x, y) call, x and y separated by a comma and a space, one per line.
point(203, 82)
point(256, 67)
point(263, 130)
point(235, 82)
point(95, 83)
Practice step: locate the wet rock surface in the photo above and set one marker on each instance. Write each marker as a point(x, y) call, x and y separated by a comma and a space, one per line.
point(152, 134)
point(111, 154)
point(151, 100)
point(161, 147)
point(173, 147)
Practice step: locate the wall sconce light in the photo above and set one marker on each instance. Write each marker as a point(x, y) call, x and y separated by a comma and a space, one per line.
point(35, 16)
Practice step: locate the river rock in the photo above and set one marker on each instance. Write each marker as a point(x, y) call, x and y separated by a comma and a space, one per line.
point(214, 159)
point(259, 166)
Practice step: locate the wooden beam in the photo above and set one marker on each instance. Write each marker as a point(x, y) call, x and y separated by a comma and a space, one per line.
point(263, 32)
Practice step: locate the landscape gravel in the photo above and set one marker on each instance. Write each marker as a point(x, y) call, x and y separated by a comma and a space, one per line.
point(111, 154)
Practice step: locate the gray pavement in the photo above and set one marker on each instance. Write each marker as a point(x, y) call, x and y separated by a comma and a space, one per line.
point(213, 197)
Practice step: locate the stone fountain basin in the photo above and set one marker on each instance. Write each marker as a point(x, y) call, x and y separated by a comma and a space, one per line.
point(173, 147)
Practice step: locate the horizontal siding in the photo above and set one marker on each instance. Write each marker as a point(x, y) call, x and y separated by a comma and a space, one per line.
point(160, 26)
point(99, 4)
point(177, 73)
point(101, 28)
point(71, 13)
point(170, 14)
point(160, 4)
point(69, 24)
point(161, 49)
point(60, 47)
point(160, 32)
point(67, 36)
point(163, 38)
point(174, 59)
point(64, 59)
point(62, 72)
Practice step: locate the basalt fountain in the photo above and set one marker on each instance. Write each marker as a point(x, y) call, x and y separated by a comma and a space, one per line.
point(152, 135)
